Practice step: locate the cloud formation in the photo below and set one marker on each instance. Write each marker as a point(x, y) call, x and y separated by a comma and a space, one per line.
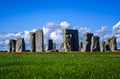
point(54, 31)
point(4, 39)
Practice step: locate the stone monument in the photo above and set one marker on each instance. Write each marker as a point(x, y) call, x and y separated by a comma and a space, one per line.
point(12, 45)
point(70, 40)
point(95, 44)
point(113, 45)
point(81, 45)
point(87, 41)
point(39, 41)
point(20, 45)
point(102, 46)
point(32, 42)
point(49, 45)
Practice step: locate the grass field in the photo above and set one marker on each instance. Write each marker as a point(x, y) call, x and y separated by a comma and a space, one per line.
point(60, 66)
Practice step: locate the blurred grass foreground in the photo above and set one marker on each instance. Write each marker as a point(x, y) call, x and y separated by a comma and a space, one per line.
point(60, 65)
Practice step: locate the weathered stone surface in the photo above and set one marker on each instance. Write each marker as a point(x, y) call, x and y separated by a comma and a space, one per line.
point(87, 41)
point(113, 45)
point(12, 45)
point(54, 47)
point(61, 47)
point(107, 45)
point(39, 41)
point(95, 44)
point(49, 45)
point(81, 45)
point(102, 46)
point(32, 42)
point(70, 40)
point(20, 45)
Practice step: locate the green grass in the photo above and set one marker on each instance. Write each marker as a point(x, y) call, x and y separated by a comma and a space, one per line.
point(60, 66)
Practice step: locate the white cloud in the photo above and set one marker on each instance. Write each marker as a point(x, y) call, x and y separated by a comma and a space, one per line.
point(4, 39)
point(116, 29)
point(64, 24)
point(54, 31)
point(56, 36)
point(101, 31)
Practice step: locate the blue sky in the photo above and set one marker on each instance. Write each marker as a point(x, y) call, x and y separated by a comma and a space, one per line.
point(21, 15)
point(29, 14)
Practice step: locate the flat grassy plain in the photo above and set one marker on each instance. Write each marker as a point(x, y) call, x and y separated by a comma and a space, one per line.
point(60, 65)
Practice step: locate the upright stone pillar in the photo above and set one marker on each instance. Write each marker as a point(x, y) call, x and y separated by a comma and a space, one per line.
point(70, 38)
point(61, 47)
point(39, 41)
point(107, 45)
point(20, 45)
point(87, 41)
point(12, 45)
point(81, 45)
point(95, 46)
point(32, 42)
point(49, 45)
point(54, 47)
point(102, 46)
point(113, 45)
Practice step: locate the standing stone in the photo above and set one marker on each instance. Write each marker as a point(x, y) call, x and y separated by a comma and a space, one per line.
point(61, 47)
point(113, 45)
point(70, 38)
point(107, 45)
point(32, 42)
point(102, 46)
point(39, 41)
point(49, 45)
point(54, 47)
point(20, 45)
point(87, 41)
point(95, 45)
point(81, 45)
point(12, 45)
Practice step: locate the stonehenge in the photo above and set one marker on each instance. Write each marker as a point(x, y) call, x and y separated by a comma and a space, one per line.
point(32, 42)
point(87, 41)
point(70, 43)
point(61, 47)
point(81, 45)
point(70, 40)
point(12, 45)
point(49, 45)
point(95, 44)
point(16, 45)
point(39, 41)
point(102, 46)
point(111, 44)
point(20, 45)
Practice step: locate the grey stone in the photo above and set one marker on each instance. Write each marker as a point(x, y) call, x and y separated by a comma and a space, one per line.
point(20, 45)
point(113, 45)
point(54, 47)
point(39, 41)
point(87, 41)
point(70, 40)
point(102, 46)
point(95, 44)
point(81, 45)
point(107, 45)
point(12, 45)
point(61, 47)
point(49, 45)
point(32, 42)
